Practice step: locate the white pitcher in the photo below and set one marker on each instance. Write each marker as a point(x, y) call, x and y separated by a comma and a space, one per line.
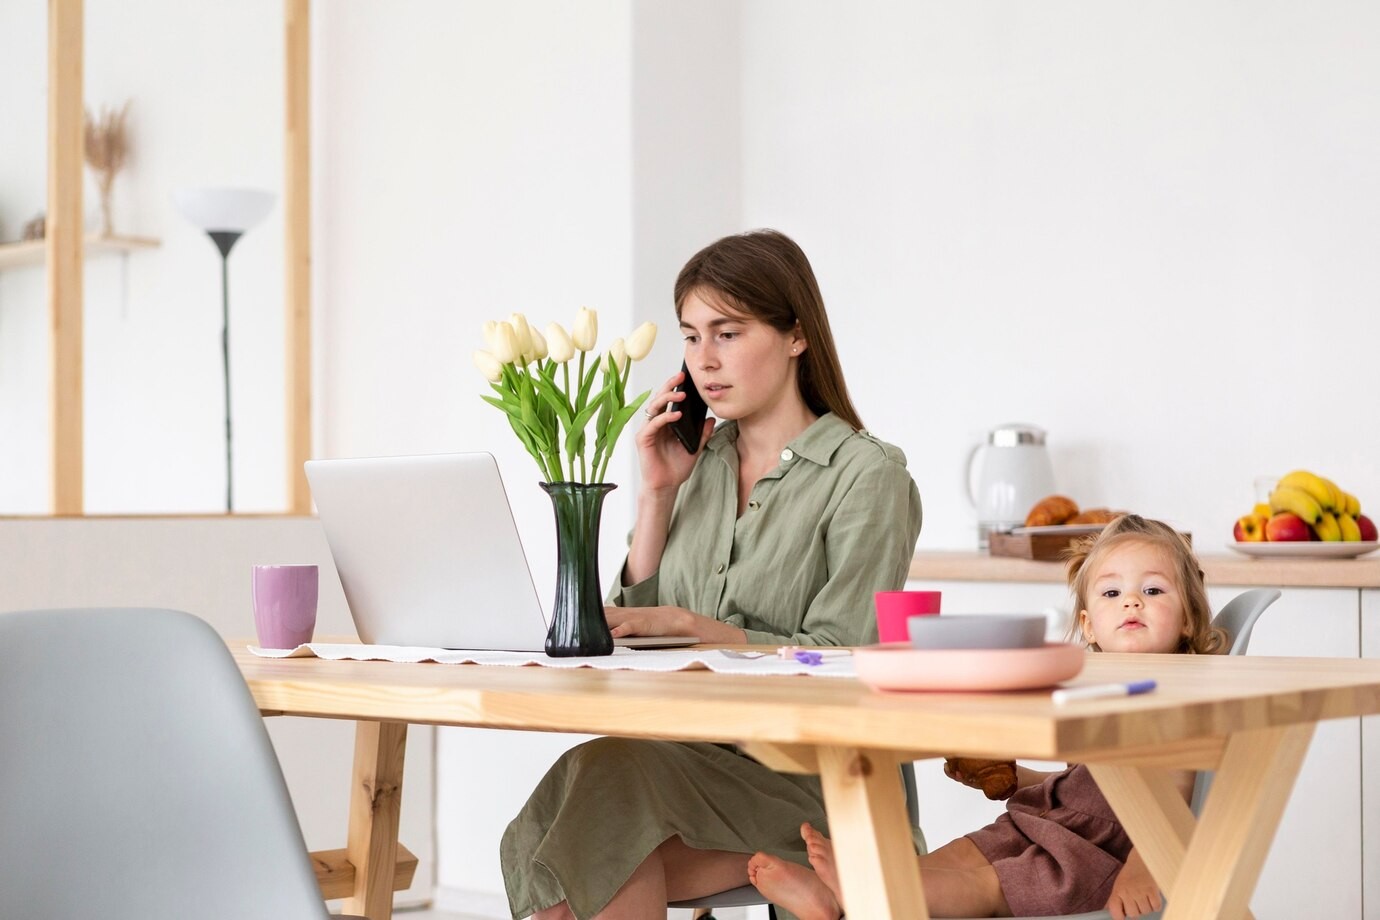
point(1006, 476)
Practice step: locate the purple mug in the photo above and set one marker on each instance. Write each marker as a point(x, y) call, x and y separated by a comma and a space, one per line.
point(285, 604)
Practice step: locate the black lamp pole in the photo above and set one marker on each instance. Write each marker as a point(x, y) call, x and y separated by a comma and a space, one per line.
point(225, 240)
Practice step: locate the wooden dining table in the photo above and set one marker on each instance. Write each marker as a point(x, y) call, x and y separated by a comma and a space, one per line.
point(1249, 719)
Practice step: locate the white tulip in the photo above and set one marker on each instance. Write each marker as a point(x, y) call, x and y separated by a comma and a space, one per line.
point(618, 357)
point(491, 334)
point(586, 329)
point(640, 342)
point(538, 351)
point(505, 344)
point(523, 333)
point(489, 366)
point(559, 344)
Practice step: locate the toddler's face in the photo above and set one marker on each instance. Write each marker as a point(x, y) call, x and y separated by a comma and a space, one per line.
point(1134, 602)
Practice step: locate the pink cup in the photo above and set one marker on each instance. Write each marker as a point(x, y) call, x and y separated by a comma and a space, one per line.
point(894, 608)
point(285, 604)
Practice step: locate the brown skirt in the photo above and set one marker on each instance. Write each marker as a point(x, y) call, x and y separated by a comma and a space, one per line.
point(1058, 848)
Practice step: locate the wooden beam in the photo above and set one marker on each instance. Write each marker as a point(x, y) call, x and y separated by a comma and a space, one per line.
point(63, 235)
point(336, 874)
point(375, 807)
point(297, 241)
point(872, 835)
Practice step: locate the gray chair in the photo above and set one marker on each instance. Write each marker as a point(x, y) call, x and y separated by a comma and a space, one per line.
point(137, 781)
point(1237, 618)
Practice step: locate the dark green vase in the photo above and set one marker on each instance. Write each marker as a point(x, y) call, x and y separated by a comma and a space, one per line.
point(578, 627)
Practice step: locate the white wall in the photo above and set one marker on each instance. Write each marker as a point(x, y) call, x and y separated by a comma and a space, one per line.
point(1148, 228)
point(473, 161)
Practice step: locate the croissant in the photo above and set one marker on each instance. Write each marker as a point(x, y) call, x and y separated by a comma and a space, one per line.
point(1094, 516)
point(996, 778)
point(1054, 509)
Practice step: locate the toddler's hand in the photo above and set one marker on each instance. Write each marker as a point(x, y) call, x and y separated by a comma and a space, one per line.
point(996, 778)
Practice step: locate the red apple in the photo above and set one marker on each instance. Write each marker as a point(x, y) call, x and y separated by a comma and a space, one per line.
point(1249, 529)
point(1367, 527)
point(1285, 527)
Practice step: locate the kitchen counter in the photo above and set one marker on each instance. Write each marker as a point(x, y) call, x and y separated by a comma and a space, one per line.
point(1220, 569)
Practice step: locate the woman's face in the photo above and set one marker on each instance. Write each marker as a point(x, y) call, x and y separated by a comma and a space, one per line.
point(742, 367)
point(1134, 602)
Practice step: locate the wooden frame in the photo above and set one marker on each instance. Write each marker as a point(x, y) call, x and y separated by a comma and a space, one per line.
point(64, 250)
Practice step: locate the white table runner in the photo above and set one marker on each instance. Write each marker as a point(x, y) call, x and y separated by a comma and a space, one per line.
point(622, 659)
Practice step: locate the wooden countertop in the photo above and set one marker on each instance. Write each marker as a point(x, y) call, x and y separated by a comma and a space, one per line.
point(1220, 569)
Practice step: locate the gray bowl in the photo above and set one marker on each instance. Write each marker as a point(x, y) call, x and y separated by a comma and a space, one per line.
point(977, 630)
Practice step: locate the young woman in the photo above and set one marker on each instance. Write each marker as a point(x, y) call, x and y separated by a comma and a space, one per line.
point(778, 530)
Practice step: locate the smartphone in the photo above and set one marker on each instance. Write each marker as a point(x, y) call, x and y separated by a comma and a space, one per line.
point(690, 426)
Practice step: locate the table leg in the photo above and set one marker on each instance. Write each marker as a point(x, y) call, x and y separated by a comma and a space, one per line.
point(375, 806)
point(1211, 869)
point(871, 834)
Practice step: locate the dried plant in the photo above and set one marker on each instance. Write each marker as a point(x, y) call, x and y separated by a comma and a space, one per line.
point(107, 145)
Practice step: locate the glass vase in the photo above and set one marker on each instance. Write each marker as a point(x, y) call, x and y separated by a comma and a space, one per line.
point(578, 627)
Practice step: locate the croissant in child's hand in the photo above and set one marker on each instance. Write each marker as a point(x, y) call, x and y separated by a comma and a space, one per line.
point(996, 778)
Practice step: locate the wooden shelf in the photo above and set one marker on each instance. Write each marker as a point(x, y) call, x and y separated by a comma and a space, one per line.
point(31, 252)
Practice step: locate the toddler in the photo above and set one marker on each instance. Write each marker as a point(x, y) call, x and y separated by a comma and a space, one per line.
point(1058, 849)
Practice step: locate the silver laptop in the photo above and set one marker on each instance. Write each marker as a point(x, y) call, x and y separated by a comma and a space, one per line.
point(429, 555)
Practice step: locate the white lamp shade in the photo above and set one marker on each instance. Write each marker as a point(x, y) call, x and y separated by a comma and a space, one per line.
point(232, 210)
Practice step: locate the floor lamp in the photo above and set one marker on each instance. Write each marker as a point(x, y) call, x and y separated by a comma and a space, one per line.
point(225, 214)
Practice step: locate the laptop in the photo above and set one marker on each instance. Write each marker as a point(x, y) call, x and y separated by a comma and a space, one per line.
point(428, 553)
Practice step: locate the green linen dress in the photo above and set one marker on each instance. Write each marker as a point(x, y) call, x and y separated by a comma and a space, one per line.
point(836, 521)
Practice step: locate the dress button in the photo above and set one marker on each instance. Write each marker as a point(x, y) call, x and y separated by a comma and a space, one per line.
point(787, 455)
point(754, 504)
point(720, 569)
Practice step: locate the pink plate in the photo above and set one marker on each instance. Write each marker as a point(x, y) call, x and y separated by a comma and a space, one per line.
point(899, 666)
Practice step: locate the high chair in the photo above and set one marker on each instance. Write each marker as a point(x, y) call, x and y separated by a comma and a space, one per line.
point(1237, 619)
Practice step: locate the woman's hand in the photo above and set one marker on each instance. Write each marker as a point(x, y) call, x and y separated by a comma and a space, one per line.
point(664, 461)
point(647, 621)
point(670, 621)
point(1134, 892)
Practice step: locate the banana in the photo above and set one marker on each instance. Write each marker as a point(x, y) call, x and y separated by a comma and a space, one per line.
point(1353, 504)
point(1351, 531)
point(1322, 491)
point(1327, 528)
point(1296, 501)
point(1338, 496)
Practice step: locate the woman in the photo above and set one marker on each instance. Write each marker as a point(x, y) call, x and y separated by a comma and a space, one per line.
point(777, 531)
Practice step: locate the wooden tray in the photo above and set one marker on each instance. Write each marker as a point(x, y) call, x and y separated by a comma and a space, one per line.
point(1045, 544)
point(1042, 547)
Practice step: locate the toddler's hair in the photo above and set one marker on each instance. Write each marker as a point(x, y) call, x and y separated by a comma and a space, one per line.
point(1203, 638)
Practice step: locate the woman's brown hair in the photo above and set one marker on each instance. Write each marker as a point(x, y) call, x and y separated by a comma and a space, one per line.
point(1202, 637)
point(763, 274)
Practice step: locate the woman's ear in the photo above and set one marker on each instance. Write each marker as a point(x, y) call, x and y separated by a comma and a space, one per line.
point(798, 343)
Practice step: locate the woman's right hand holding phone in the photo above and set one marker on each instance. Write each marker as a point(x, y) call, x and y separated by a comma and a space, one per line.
point(665, 464)
point(664, 461)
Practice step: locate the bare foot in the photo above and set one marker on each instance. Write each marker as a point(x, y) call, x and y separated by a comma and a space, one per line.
point(820, 850)
point(793, 887)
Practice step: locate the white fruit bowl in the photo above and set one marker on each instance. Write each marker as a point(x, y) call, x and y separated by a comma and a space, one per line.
point(1300, 549)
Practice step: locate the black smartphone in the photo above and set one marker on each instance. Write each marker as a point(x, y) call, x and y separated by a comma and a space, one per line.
point(690, 426)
